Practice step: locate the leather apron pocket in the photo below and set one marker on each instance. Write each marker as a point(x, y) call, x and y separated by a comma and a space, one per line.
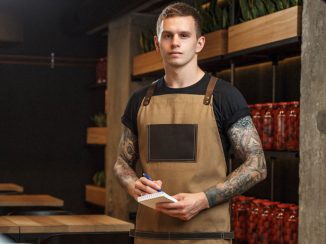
point(172, 142)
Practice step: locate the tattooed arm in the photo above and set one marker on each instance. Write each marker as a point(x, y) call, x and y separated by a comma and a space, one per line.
point(246, 143)
point(127, 157)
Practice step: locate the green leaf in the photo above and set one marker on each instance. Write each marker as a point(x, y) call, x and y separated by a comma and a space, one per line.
point(293, 3)
point(225, 22)
point(278, 4)
point(269, 6)
point(260, 7)
point(286, 3)
point(254, 12)
point(141, 41)
point(246, 15)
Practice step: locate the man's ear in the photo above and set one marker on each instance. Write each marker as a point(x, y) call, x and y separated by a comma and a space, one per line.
point(157, 46)
point(200, 44)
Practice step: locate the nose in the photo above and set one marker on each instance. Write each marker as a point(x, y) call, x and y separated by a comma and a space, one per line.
point(175, 41)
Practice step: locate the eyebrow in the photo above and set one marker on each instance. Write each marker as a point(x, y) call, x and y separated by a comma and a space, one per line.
point(179, 32)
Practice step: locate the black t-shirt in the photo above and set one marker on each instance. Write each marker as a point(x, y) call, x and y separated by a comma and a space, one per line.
point(228, 103)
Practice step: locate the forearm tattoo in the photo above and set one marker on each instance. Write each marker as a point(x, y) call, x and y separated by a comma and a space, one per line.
point(127, 157)
point(246, 143)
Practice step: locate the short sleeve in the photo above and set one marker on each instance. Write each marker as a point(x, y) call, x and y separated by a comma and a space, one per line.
point(129, 117)
point(230, 104)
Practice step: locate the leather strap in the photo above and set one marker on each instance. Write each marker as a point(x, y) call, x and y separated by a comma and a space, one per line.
point(209, 90)
point(149, 93)
point(182, 235)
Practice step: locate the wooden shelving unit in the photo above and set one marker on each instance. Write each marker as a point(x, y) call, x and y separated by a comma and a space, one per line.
point(95, 195)
point(97, 135)
point(264, 30)
point(256, 41)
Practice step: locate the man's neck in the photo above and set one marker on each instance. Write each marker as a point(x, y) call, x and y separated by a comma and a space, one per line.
point(183, 76)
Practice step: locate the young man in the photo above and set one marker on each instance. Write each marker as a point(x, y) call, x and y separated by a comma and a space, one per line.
point(180, 128)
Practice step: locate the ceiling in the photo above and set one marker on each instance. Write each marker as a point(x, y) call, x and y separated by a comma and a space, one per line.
point(91, 16)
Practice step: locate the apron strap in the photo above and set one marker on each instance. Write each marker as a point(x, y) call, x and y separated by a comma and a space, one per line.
point(181, 235)
point(209, 90)
point(149, 93)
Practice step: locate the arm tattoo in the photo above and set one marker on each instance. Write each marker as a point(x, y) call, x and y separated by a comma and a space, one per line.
point(127, 156)
point(246, 143)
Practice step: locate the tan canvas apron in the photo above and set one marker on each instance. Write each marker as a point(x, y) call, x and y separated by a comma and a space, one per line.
point(208, 169)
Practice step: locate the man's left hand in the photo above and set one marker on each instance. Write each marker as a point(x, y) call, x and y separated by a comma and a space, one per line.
point(188, 205)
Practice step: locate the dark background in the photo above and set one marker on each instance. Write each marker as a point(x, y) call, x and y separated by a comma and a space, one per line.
point(44, 112)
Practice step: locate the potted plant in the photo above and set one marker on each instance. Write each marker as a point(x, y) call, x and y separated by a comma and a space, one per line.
point(264, 22)
point(97, 134)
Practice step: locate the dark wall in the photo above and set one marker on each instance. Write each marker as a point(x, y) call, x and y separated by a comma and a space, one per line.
point(44, 112)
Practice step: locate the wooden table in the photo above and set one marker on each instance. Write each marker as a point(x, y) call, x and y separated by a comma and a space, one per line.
point(30, 201)
point(62, 224)
point(11, 187)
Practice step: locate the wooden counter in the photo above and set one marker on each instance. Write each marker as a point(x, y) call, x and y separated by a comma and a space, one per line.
point(30, 201)
point(62, 224)
point(11, 187)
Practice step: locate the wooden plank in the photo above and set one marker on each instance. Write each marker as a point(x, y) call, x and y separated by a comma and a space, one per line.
point(97, 135)
point(95, 195)
point(11, 187)
point(66, 223)
point(29, 201)
point(147, 62)
point(274, 27)
point(215, 45)
point(7, 226)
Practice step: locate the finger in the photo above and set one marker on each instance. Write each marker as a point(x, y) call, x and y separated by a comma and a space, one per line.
point(173, 213)
point(179, 196)
point(168, 206)
point(141, 187)
point(151, 184)
point(138, 192)
point(159, 183)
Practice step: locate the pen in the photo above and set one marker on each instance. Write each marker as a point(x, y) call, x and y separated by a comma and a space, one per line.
point(149, 178)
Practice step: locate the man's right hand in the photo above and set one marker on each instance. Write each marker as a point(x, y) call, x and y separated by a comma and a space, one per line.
point(144, 186)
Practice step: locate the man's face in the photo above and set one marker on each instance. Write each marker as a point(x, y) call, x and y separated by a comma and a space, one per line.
point(177, 41)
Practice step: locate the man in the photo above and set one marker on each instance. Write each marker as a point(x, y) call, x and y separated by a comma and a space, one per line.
point(180, 128)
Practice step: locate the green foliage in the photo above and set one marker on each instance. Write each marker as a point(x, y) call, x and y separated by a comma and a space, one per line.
point(251, 9)
point(214, 17)
point(99, 178)
point(146, 41)
point(99, 120)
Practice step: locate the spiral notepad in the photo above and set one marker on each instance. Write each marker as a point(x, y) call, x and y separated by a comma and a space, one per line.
point(150, 200)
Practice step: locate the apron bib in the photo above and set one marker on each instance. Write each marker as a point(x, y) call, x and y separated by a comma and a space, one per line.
point(179, 143)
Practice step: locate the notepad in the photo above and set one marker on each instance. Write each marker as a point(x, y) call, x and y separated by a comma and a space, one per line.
point(150, 200)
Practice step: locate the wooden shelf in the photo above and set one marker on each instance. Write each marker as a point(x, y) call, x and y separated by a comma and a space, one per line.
point(10, 187)
point(276, 35)
point(95, 195)
point(215, 45)
point(267, 29)
point(97, 135)
point(146, 63)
